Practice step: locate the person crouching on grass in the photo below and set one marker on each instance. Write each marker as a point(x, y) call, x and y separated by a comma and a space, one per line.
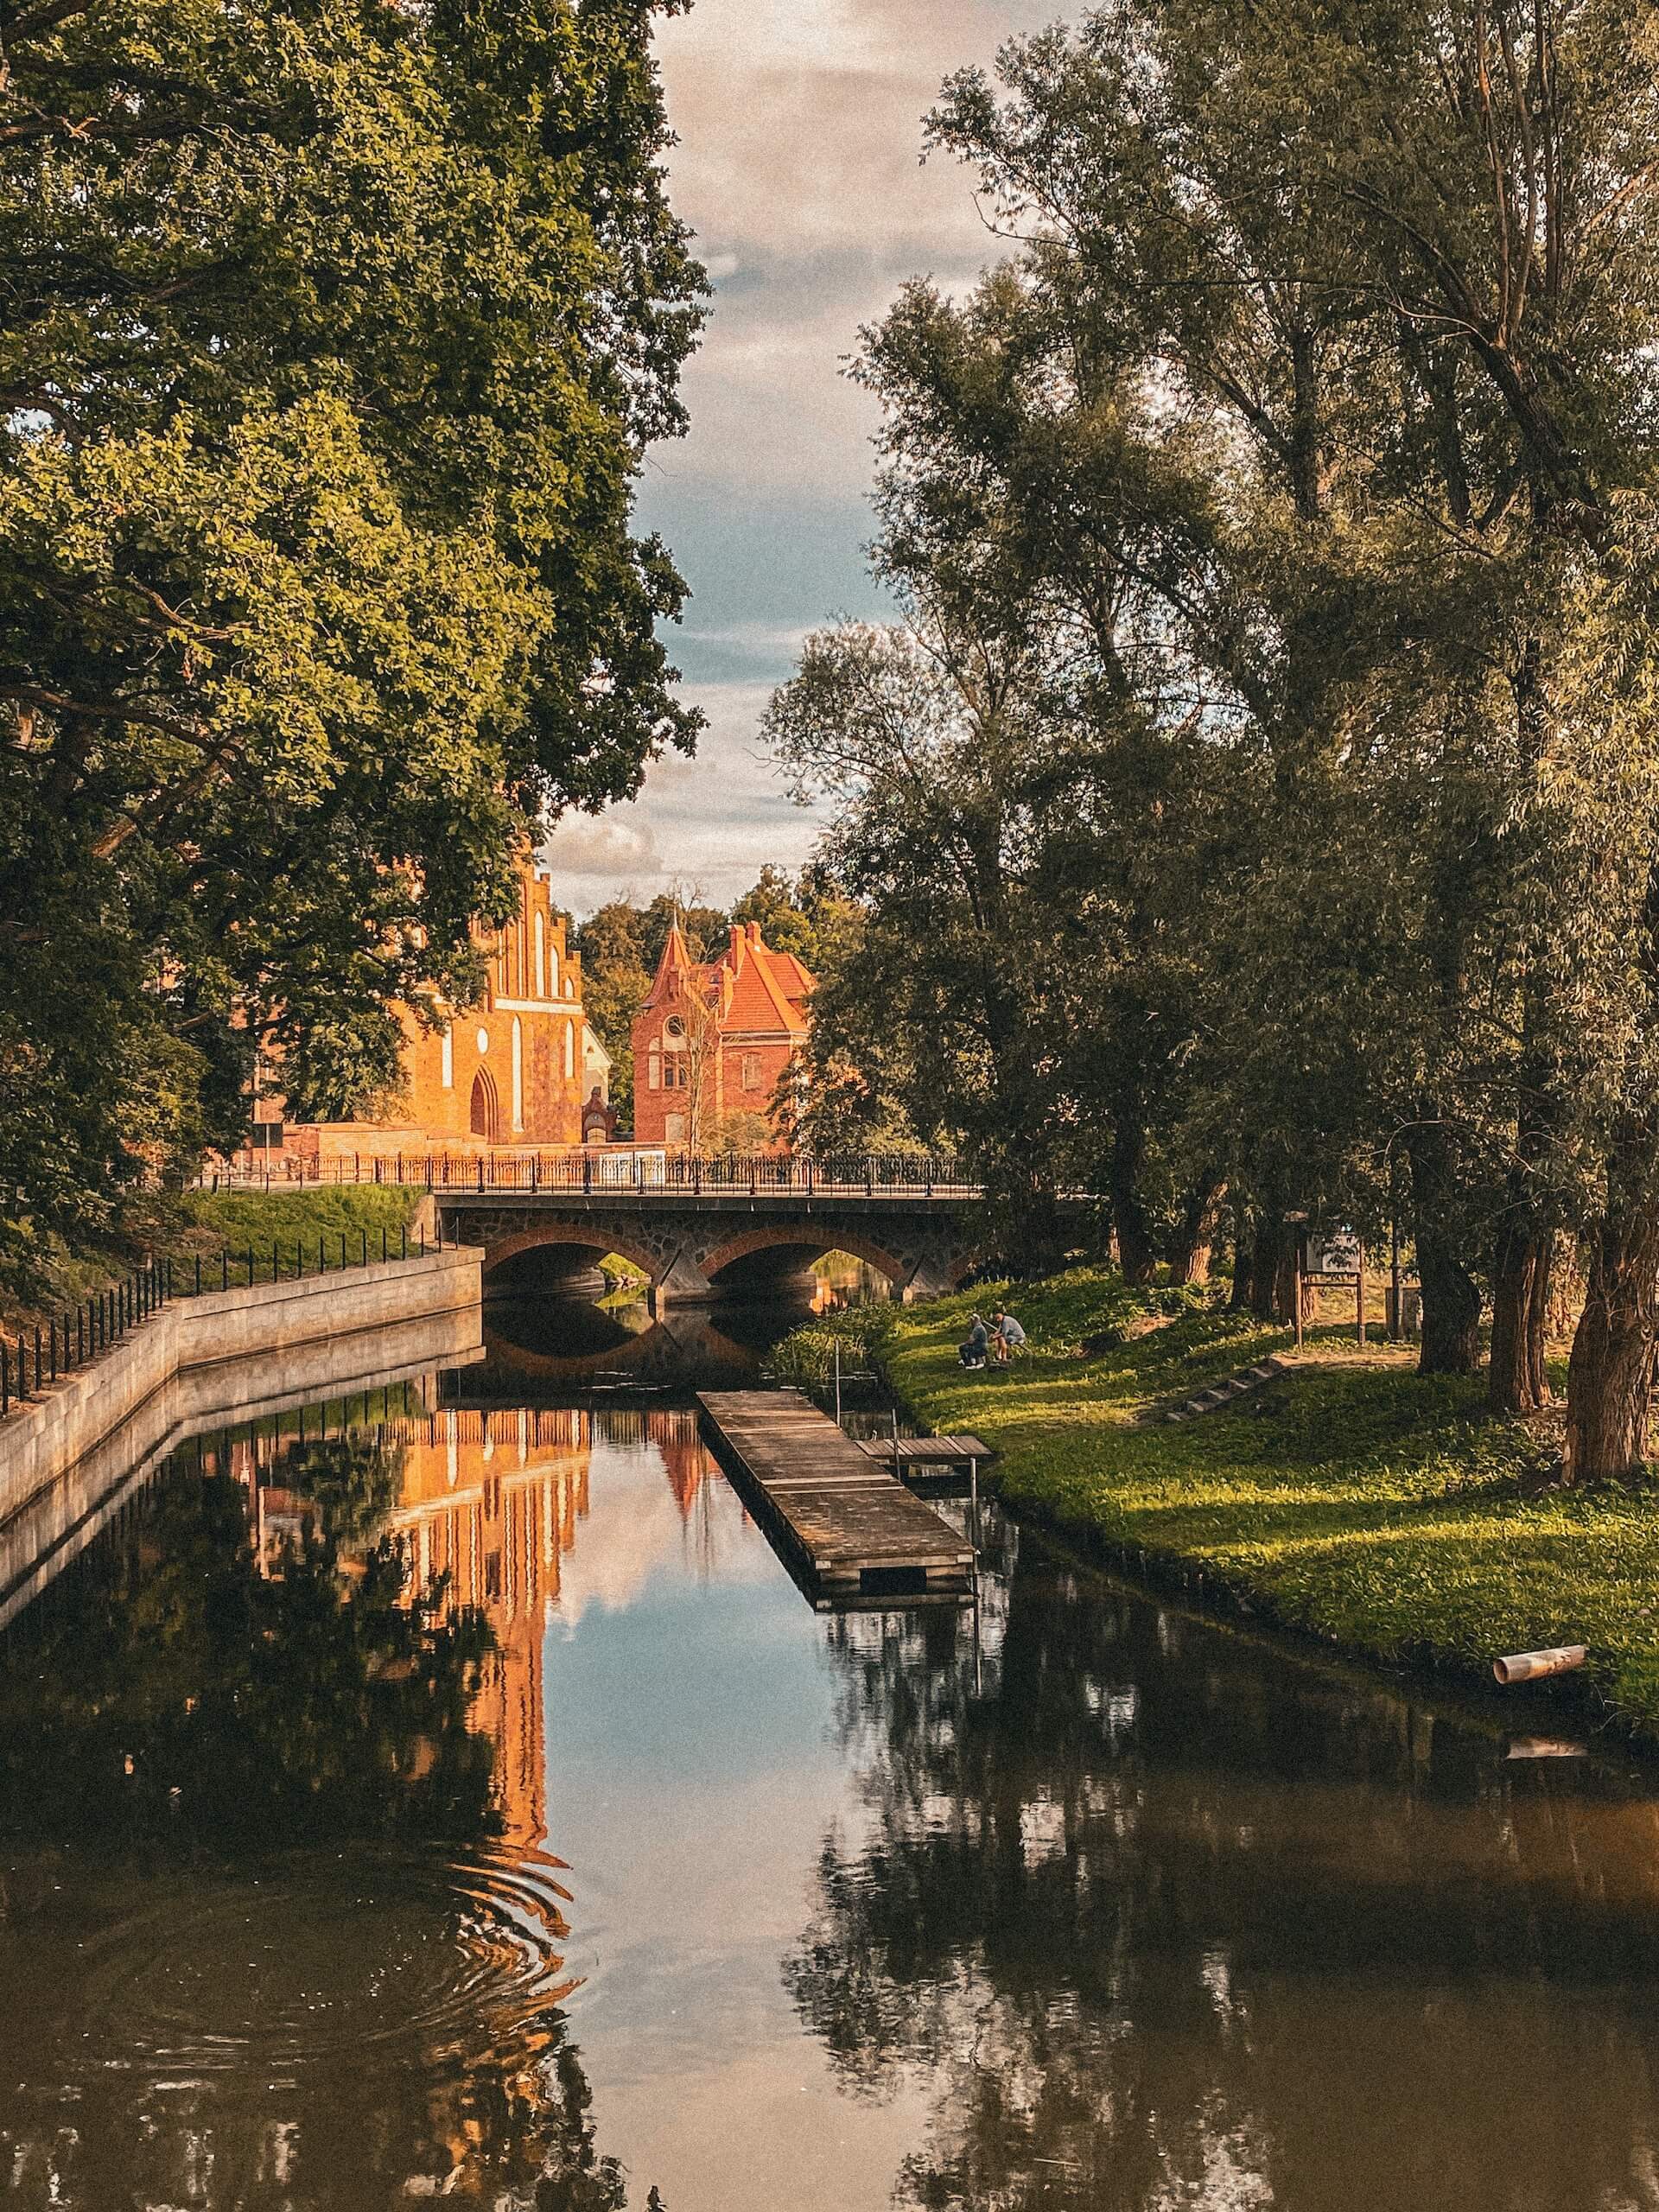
point(1007, 1337)
point(974, 1351)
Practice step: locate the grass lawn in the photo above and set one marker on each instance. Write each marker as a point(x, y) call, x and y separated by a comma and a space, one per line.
point(209, 1223)
point(1350, 1499)
point(205, 1225)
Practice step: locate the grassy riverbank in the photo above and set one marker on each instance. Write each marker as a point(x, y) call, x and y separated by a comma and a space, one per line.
point(232, 1221)
point(203, 1224)
point(1352, 1499)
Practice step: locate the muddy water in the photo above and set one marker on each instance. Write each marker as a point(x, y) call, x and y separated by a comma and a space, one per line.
point(463, 1802)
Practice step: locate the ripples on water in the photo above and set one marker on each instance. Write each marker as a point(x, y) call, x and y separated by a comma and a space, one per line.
point(462, 1801)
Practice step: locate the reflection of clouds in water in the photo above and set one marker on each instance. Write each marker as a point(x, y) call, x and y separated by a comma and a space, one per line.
point(653, 1504)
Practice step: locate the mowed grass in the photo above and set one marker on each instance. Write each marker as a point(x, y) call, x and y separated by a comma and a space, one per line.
point(188, 1226)
point(1360, 1504)
point(209, 1223)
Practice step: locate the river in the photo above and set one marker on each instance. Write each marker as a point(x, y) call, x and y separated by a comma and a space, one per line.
point(448, 1793)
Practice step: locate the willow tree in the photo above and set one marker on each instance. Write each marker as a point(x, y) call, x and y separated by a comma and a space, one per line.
point(335, 335)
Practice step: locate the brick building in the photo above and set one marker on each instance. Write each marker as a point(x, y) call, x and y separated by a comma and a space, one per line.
point(713, 1039)
point(514, 1070)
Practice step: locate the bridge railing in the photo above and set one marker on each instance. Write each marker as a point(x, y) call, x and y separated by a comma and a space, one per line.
point(622, 1173)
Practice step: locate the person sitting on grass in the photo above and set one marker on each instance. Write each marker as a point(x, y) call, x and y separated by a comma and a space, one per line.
point(1006, 1336)
point(974, 1352)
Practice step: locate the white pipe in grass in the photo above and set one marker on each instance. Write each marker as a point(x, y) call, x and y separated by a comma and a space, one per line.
point(1534, 1666)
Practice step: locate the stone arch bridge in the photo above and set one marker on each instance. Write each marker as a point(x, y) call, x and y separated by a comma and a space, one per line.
point(705, 1244)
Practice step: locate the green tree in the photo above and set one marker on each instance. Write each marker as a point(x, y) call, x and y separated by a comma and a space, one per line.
point(1399, 267)
point(336, 337)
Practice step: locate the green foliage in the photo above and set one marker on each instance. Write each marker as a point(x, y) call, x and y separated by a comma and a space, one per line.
point(1278, 520)
point(336, 338)
point(806, 1357)
point(209, 1221)
point(1377, 1509)
point(276, 1710)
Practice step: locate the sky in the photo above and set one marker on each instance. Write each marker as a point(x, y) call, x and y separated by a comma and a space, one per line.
point(799, 168)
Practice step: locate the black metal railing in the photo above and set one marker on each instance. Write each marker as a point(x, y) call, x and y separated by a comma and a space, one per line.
point(68, 1339)
point(76, 1335)
point(625, 1172)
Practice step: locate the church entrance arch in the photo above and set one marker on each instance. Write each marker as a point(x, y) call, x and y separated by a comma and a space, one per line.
point(486, 1107)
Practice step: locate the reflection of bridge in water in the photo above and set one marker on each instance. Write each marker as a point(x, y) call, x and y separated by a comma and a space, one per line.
point(535, 1347)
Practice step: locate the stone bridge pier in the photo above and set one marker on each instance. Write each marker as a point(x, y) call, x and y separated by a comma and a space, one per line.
point(698, 1248)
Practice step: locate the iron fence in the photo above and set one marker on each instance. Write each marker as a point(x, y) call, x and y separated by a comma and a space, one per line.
point(596, 1174)
point(76, 1335)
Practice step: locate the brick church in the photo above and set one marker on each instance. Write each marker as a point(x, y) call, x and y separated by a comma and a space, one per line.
point(714, 1038)
point(520, 1068)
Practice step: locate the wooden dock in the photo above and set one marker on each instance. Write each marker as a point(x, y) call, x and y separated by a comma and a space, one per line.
point(925, 1450)
point(853, 1534)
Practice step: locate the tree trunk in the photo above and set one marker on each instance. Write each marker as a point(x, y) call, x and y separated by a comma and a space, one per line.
point(1566, 1288)
point(1450, 1343)
point(1538, 1321)
point(1134, 1245)
point(1517, 1381)
point(1611, 1373)
point(1189, 1259)
point(1273, 1270)
point(1239, 1302)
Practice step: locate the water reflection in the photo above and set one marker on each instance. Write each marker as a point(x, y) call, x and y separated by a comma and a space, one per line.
point(456, 1798)
point(277, 1923)
point(1154, 1918)
point(537, 1346)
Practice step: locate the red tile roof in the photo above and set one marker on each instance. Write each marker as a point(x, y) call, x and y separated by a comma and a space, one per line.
point(760, 991)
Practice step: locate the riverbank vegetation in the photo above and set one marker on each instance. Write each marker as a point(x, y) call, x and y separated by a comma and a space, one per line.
point(213, 1226)
point(1254, 814)
point(1352, 1499)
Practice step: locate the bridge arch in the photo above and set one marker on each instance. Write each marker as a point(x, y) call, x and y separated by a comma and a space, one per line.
point(572, 1237)
point(812, 1243)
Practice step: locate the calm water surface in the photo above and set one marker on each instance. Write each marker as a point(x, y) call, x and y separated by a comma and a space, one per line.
point(463, 1802)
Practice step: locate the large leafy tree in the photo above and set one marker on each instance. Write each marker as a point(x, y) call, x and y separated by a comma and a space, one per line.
point(335, 334)
point(1386, 280)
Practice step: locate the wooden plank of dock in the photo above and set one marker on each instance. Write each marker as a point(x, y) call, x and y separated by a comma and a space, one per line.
point(854, 1533)
point(927, 1451)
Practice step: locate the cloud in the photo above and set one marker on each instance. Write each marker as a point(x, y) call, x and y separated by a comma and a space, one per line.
point(708, 825)
point(799, 168)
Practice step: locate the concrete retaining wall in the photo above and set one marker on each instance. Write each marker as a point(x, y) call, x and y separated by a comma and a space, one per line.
point(231, 1352)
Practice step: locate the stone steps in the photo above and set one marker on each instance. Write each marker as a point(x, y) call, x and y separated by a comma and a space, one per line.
point(1224, 1393)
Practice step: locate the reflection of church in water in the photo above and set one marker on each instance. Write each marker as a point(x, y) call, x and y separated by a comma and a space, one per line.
point(492, 1503)
point(489, 1505)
